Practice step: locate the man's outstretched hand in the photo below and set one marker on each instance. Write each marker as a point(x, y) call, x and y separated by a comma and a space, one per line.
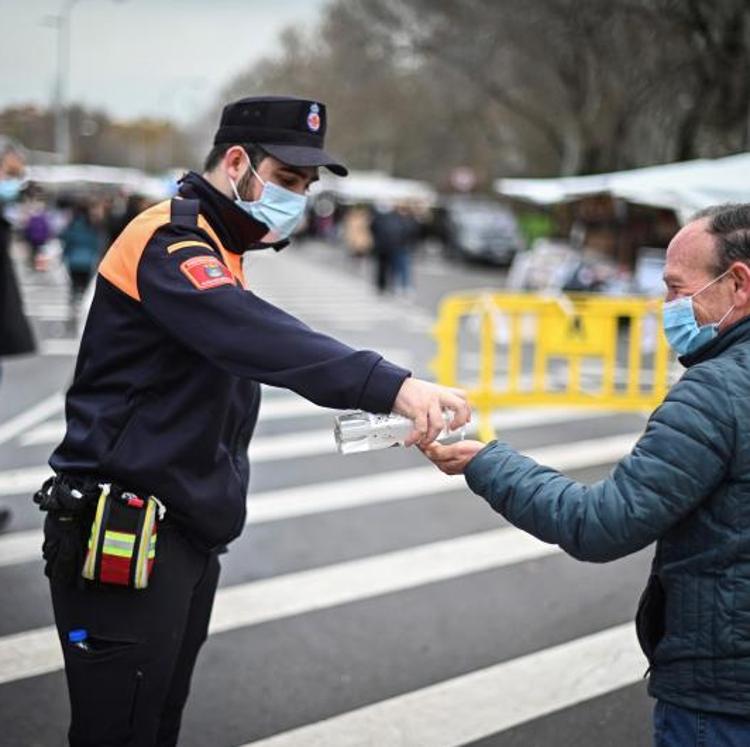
point(452, 459)
point(424, 402)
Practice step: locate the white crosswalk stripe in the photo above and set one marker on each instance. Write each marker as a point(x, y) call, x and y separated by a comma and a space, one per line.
point(30, 417)
point(485, 702)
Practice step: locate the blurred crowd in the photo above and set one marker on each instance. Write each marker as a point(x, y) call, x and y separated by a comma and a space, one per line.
point(73, 229)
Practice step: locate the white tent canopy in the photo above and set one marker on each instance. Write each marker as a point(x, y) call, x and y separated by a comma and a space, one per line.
point(132, 180)
point(375, 186)
point(683, 187)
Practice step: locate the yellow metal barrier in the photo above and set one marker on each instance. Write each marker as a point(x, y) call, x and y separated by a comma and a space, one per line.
point(583, 350)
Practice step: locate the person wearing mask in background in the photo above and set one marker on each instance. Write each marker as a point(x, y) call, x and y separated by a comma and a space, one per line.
point(164, 404)
point(16, 337)
point(685, 486)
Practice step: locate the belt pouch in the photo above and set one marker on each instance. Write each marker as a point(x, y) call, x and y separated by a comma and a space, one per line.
point(122, 545)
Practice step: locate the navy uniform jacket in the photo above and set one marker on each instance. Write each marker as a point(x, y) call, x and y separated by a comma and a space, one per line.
point(165, 396)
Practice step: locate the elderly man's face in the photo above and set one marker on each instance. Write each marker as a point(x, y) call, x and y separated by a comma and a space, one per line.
point(691, 265)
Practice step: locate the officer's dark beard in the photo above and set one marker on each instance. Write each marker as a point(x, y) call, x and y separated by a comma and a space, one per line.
point(244, 185)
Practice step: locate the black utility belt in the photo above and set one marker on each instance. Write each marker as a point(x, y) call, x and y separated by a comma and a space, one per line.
point(121, 547)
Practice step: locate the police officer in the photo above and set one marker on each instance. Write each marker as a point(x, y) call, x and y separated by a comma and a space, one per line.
point(164, 403)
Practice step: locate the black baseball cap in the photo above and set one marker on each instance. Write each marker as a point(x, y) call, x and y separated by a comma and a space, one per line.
point(290, 129)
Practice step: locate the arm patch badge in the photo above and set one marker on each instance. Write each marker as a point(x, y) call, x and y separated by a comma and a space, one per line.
point(206, 272)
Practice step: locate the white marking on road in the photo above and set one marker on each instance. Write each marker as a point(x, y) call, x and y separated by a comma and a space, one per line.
point(306, 500)
point(279, 408)
point(37, 651)
point(348, 325)
point(50, 312)
point(20, 547)
point(59, 346)
point(46, 433)
point(292, 445)
point(484, 702)
point(337, 495)
point(30, 417)
point(21, 480)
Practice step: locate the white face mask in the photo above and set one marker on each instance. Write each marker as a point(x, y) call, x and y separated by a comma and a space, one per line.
point(278, 208)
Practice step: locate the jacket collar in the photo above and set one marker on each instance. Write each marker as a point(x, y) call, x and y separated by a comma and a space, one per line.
point(738, 332)
point(237, 231)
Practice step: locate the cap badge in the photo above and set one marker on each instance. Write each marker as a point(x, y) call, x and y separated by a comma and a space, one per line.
point(313, 118)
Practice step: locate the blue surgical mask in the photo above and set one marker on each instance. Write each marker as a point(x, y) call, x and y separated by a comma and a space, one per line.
point(681, 328)
point(280, 209)
point(10, 189)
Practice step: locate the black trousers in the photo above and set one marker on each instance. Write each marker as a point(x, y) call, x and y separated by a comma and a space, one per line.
point(131, 684)
point(383, 268)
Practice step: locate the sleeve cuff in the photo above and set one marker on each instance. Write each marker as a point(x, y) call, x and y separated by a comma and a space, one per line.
point(478, 471)
point(381, 387)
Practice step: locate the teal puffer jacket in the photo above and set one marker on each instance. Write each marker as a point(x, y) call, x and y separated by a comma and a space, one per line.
point(685, 485)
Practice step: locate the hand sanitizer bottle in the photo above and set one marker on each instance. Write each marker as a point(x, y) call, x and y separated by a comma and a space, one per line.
point(364, 431)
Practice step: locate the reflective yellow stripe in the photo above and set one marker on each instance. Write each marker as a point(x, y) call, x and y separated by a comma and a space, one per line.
point(185, 244)
point(119, 536)
point(146, 548)
point(90, 564)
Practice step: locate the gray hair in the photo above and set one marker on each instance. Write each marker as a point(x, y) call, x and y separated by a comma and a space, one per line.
point(729, 224)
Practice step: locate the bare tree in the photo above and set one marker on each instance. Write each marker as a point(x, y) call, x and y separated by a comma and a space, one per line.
point(525, 86)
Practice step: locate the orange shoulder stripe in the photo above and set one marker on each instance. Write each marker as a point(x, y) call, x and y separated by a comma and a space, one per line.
point(120, 264)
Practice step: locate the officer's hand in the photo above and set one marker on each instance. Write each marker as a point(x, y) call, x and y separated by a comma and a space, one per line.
point(454, 458)
point(424, 402)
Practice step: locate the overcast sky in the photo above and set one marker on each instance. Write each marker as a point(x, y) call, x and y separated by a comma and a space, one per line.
point(140, 57)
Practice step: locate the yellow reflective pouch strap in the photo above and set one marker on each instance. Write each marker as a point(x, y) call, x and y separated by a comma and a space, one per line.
point(94, 546)
point(146, 545)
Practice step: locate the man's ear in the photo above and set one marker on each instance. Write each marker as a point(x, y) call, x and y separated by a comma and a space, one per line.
point(740, 273)
point(235, 162)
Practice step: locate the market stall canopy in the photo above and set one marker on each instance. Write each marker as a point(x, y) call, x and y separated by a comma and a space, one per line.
point(375, 187)
point(684, 187)
point(83, 175)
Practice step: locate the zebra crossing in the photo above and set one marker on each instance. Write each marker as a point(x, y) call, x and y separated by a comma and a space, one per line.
point(371, 600)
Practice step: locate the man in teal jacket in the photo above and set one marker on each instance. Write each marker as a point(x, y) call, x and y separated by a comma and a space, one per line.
point(685, 486)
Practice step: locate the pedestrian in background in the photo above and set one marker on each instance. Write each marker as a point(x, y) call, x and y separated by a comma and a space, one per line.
point(16, 336)
point(394, 234)
point(385, 228)
point(37, 229)
point(82, 245)
point(356, 232)
point(161, 412)
point(403, 250)
point(685, 486)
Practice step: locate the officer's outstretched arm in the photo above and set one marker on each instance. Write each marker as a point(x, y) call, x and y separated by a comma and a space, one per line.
point(195, 298)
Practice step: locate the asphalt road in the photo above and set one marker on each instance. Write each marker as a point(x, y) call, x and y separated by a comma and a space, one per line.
point(369, 601)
